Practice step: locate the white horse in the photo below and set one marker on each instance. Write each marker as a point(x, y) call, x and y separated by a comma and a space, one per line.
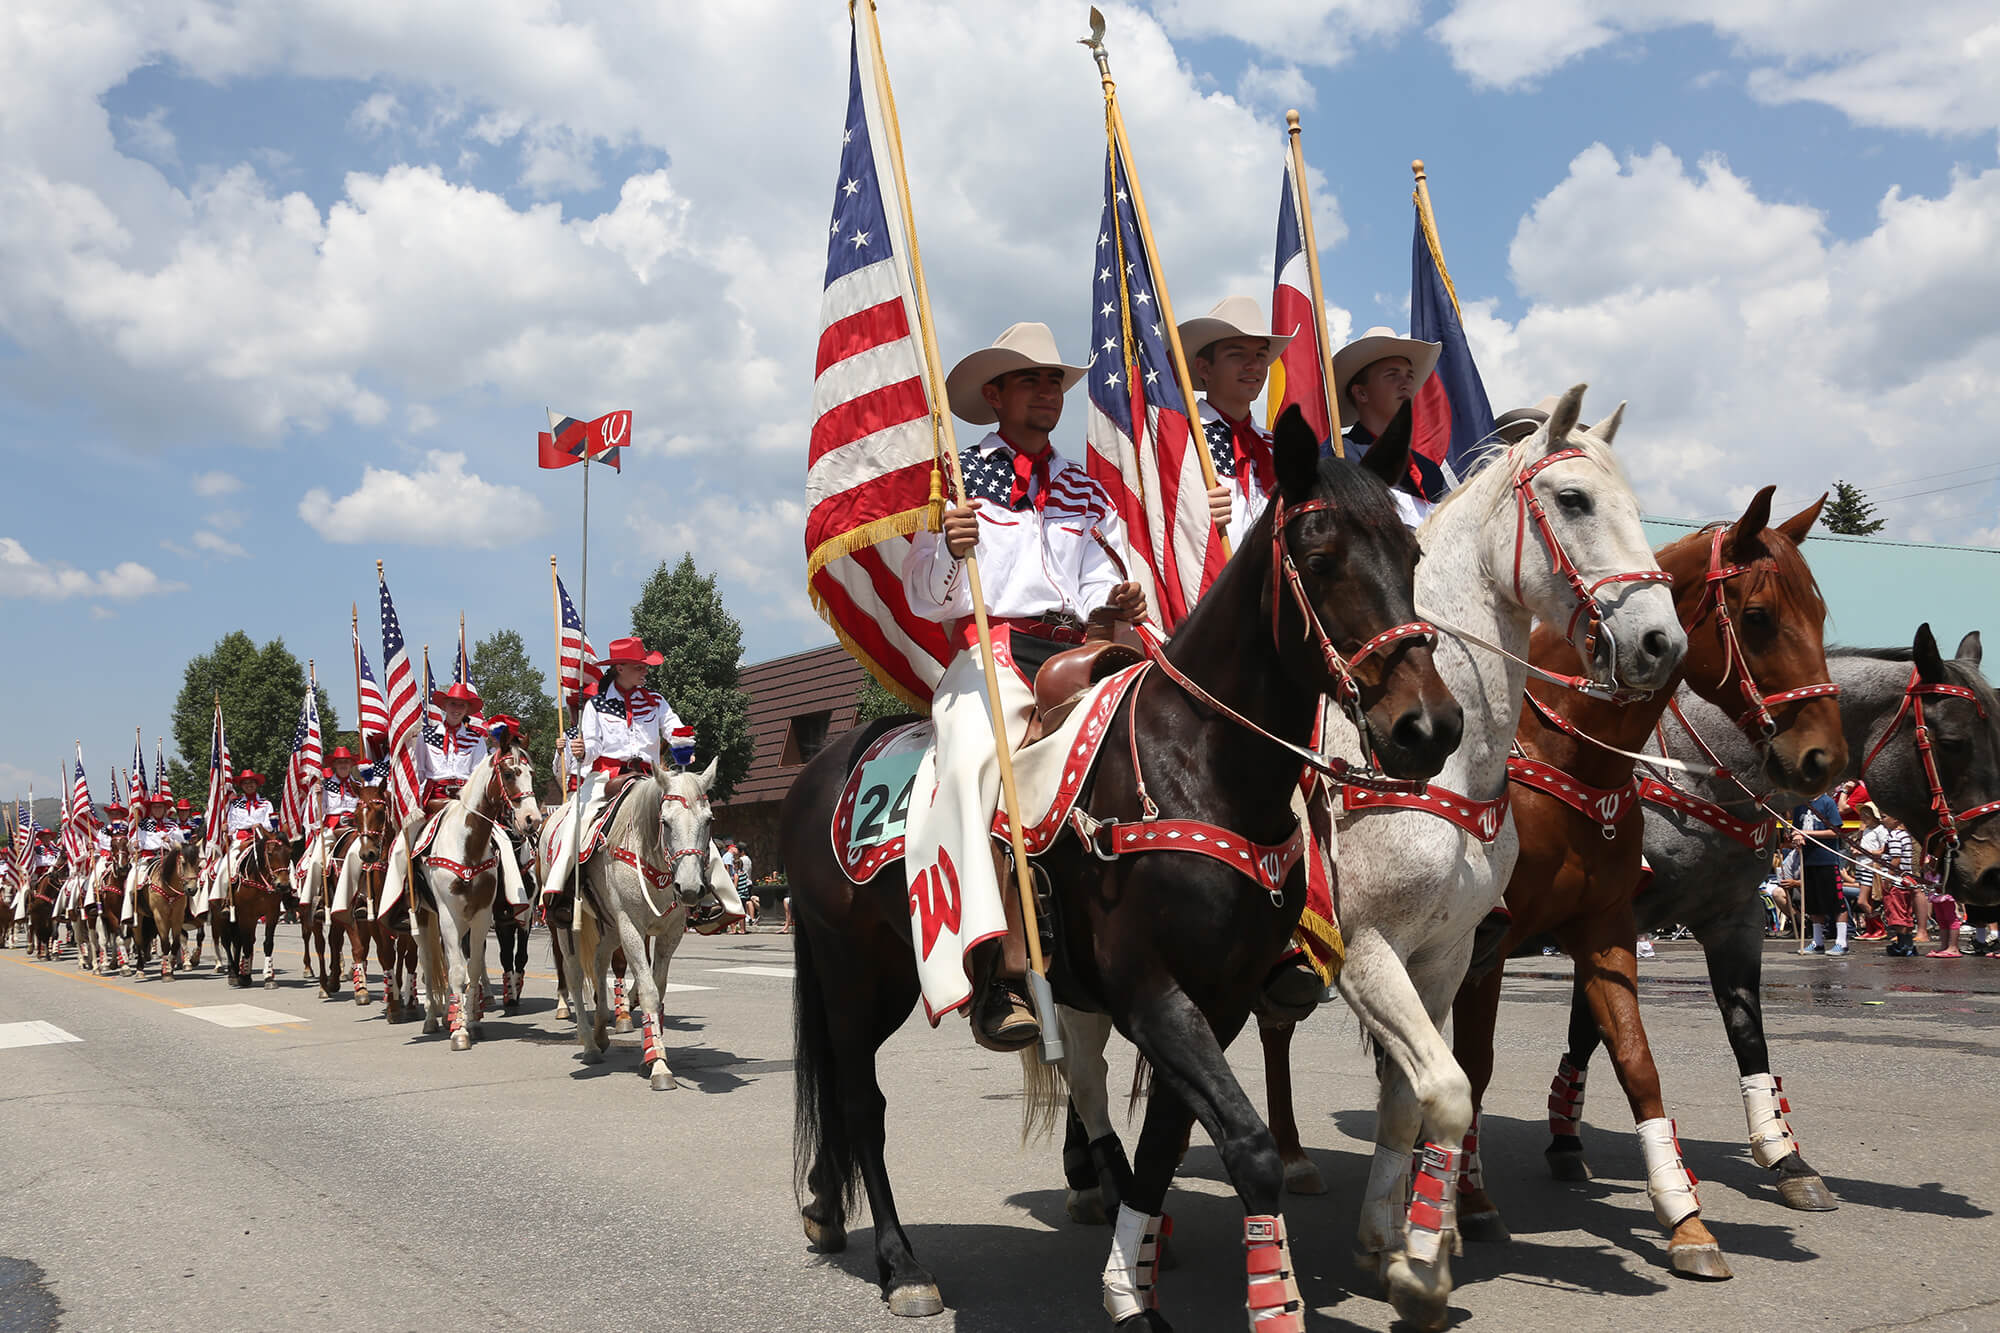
point(469, 861)
point(638, 891)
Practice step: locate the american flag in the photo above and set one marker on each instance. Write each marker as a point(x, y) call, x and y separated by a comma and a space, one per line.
point(464, 676)
point(138, 774)
point(576, 659)
point(24, 834)
point(433, 715)
point(116, 799)
point(1298, 375)
point(874, 450)
point(405, 708)
point(162, 785)
point(221, 782)
point(295, 807)
point(1141, 449)
point(374, 713)
point(80, 819)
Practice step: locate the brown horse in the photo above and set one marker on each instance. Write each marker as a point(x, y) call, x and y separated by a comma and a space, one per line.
point(1755, 625)
point(361, 854)
point(254, 893)
point(168, 880)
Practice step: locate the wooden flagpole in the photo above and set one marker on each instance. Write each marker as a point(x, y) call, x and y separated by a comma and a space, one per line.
point(1114, 120)
point(1427, 219)
point(1318, 292)
point(1043, 998)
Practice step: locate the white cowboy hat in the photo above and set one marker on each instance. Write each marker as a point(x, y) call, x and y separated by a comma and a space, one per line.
point(1021, 347)
point(1371, 347)
point(1233, 317)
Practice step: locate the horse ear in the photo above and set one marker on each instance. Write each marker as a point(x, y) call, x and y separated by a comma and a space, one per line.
point(1569, 410)
point(1968, 649)
point(708, 774)
point(1800, 525)
point(1743, 546)
point(1604, 431)
point(1924, 651)
point(1389, 457)
point(1295, 453)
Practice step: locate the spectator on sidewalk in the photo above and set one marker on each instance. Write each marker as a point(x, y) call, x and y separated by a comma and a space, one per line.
point(1944, 911)
point(1867, 851)
point(1818, 837)
point(1898, 876)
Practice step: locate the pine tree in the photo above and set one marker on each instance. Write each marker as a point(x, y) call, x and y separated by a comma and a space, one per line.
point(509, 683)
point(261, 691)
point(1849, 512)
point(680, 615)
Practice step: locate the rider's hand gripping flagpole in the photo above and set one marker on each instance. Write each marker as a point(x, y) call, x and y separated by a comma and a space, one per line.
point(947, 444)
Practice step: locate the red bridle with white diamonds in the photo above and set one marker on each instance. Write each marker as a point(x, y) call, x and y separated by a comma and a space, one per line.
point(1760, 704)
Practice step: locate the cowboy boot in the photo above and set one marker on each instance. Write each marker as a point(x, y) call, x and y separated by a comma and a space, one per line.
point(1293, 988)
point(1002, 1018)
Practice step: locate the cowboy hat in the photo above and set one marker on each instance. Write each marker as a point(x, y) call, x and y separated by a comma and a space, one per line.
point(1518, 423)
point(184, 804)
point(1021, 347)
point(1375, 345)
point(502, 723)
point(632, 652)
point(460, 692)
point(247, 776)
point(113, 808)
point(341, 752)
point(1233, 317)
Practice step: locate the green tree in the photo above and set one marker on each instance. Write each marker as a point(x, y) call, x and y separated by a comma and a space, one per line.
point(874, 701)
point(680, 614)
point(1849, 512)
point(509, 683)
point(261, 690)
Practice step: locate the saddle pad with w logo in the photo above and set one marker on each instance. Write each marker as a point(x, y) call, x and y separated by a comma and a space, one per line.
point(870, 821)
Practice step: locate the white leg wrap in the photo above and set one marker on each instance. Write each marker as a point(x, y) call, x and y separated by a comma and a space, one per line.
point(1433, 1201)
point(1765, 1107)
point(1669, 1183)
point(1129, 1272)
point(1382, 1211)
point(1273, 1301)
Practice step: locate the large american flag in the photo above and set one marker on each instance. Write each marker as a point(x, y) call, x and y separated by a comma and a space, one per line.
point(406, 710)
point(295, 808)
point(221, 782)
point(24, 834)
point(138, 773)
point(576, 659)
point(79, 821)
point(163, 786)
point(1141, 447)
point(873, 454)
point(374, 713)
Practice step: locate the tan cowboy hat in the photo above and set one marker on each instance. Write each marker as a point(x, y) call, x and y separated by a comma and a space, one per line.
point(1371, 347)
point(1233, 317)
point(1021, 347)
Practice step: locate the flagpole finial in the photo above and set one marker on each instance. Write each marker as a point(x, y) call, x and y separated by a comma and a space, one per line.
point(1095, 42)
point(1292, 120)
point(1417, 168)
point(378, 569)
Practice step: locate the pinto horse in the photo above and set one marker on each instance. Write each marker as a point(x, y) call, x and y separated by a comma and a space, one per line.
point(1755, 626)
point(1174, 947)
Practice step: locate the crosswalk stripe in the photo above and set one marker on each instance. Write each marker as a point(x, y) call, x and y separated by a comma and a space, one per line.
point(785, 972)
point(33, 1033)
point(240, 1015)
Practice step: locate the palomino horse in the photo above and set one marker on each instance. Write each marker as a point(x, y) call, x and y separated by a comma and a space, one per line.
point(166, 882)
point(1173, 945)
point(250, 888)
point(1755, 621)
point(1418, 874)
point(360, 858)
point(638, 891)
point(466, 864)
point(1709, 841)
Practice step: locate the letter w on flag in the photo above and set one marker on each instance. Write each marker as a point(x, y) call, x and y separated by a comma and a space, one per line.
point(569, 441)
point(1141, 449)
point(873, 455)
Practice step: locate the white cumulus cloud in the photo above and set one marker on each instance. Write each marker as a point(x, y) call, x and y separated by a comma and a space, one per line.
point(441, 504)
point(216, 544)
point(212, 484)
point(22, 575)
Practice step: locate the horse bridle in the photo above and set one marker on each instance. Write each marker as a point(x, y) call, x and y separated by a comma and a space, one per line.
point(676, 855)
point(501, 765)
point(1734, 659)
point(1528, 506)
point(1949, 825)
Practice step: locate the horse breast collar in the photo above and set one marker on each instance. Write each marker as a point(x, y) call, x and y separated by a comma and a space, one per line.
point(1482, 819)
point(1605, 805)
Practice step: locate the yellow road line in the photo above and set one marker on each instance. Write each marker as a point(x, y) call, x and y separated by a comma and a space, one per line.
point(96, 980)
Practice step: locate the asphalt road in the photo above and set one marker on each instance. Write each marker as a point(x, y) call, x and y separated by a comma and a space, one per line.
point(321, 1169)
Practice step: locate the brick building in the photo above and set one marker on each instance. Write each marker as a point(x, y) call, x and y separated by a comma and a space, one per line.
point(797, 704)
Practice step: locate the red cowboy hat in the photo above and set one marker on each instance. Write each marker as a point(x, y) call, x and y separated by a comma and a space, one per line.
point(247, 776)
point(631, 651)
point(340, 752)
point(184, 804)
point(45, 834)
point(113, 808)
point(459, 692)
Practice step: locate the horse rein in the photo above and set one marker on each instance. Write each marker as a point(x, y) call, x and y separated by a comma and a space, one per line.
point(1735, 662)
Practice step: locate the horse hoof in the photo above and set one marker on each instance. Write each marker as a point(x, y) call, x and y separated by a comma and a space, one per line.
point(270, 983)
point(562, 1008)
point(916, 1300)
point(1702, 1261)
point(1808, 1194)
point(1149, 1321)
point(432, 1027)
point(1484, 1228)
point(663, 1081)
point(1303, 1177)
point(591, 1057)
point(1424, 1304)
point(461, 1041)
point(624, 1023)
point(1085, 1207)
point(825, 1237)
point(1568, 1166)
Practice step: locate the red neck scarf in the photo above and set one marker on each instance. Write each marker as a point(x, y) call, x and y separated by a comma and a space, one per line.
point(1253, 454)
point(1028, 466)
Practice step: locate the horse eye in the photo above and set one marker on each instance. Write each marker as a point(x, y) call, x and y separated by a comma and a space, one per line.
point(1573, 501)
point(1757, 617)
point(1320, 564)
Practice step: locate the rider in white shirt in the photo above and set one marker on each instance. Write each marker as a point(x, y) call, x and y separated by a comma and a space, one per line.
point(1231, 351)
point(450, 752)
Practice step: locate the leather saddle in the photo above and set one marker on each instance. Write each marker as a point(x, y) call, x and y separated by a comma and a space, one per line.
point(1065, 678)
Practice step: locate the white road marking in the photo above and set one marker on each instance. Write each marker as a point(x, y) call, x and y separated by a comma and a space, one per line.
point(675, 987)
point(240, 1015)
point(785, 972)
point(33, 1034)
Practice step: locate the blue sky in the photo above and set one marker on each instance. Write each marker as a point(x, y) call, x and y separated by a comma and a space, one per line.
point(284, 289)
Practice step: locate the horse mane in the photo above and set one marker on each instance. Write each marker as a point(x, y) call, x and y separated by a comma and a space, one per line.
point(647, 830)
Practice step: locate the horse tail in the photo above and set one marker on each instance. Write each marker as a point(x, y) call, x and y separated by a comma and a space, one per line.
point(1044, 1096)
point(1142, 1085)
point(822, 1152)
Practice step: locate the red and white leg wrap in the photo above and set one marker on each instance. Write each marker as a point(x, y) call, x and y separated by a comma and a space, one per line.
point(618, 1000)
point(649, 1044)
point(1470, 1177)
point(1765, 1107)
point(455, 1013)
point(1669, 1183)
point(1433, 1200)
point(1566, 1100)
point(506, 988)
point(1273, 1303)
point(361, 981)
point(1133, 1268)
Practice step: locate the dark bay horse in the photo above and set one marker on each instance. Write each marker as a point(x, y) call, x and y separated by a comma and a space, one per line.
point(1173, 947)
point(1706, 872)
point(358, 861)
point(255, 894)
point(1755, 625)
